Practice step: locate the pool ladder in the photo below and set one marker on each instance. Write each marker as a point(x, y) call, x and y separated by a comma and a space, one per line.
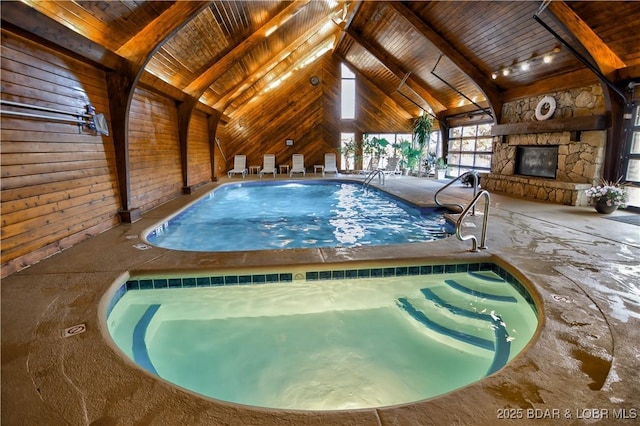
point(371, 175)
point(470, 208)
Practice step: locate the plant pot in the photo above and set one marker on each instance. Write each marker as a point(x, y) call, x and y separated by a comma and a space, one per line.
point(441, 173)
point(602, 207)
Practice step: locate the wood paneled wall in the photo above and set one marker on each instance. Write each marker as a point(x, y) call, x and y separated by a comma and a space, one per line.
point(378, 113)
point(294, 110)
point(199, 150)
point(58, 180)
point(154, 150)
point(310, 115)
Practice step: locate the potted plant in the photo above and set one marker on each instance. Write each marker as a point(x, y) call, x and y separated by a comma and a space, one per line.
point(606, 197)
point(349, 150)
point(441, 168)
point(422, 133)
point(375, 147)
point(409, 156)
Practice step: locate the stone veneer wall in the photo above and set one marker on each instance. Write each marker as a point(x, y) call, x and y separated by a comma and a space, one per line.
point(579, 162)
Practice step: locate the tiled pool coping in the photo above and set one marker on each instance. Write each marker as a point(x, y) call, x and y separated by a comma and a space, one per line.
point(150, 283)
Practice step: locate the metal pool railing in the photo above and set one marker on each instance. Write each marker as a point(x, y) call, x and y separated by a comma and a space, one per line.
point(373, 174)
point(471, 207)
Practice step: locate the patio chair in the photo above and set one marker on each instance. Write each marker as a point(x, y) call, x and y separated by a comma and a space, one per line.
point(297, 165)
point(330, 164)
point(239, 166)
point(269, 165)
point(392, 168)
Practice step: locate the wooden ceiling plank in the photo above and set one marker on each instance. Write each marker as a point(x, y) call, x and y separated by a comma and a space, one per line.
point(607, 61)
point(26, 19)
point(198, 86)
point(391, 64)
point(480, 79)
point(237, 91)
point(141, 47)
point(352, 11)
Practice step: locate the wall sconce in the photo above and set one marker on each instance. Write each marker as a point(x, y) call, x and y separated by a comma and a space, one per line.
point(525, 65)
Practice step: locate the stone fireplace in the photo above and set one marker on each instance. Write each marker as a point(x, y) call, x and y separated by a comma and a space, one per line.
point(537, 161)
point(553, 160)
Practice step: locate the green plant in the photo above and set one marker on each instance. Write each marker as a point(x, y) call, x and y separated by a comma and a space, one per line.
point(409, 156)
point(350, 151)
point(422, 130)
point(422, 127)
point(374, 146)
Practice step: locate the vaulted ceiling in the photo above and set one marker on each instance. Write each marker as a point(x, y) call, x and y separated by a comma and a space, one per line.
point(442, 56)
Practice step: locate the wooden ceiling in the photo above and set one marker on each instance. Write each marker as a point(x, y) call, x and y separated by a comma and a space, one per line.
point(436, 55)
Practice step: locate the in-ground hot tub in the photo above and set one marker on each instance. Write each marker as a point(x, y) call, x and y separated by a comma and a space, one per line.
point(325, 339)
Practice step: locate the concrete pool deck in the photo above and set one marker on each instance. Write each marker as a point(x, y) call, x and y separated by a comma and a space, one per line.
point(583, 367)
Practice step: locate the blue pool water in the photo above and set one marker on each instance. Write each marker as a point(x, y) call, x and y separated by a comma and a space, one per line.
point(286, 214)
point(325, 344)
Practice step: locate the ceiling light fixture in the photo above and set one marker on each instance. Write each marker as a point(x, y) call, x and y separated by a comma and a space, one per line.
point(526, 65)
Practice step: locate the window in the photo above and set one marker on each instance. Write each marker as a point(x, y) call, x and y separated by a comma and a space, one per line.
point(369, 158)
point(348, 94)
point(632, 167)
point(470, 148)
point(348, 151)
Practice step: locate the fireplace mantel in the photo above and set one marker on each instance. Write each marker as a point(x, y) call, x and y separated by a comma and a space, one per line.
point(593, 122)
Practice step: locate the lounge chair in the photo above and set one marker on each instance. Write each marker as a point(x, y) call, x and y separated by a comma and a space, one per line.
point(239, 166)
point(297, 165)
point(330, 164)
point(269, 165)
point(392, 167)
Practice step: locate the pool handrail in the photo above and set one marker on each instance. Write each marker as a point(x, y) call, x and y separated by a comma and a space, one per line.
point(371, 175)
point(464, 214)
point(456, 205)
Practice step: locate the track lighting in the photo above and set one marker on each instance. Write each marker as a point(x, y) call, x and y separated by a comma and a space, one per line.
point(526, 65)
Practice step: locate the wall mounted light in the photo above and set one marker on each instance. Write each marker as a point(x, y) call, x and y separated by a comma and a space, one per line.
point(526, 65)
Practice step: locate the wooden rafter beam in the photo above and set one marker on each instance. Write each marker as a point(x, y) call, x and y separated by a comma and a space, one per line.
point(139, 48)
point(291, 68)
point(198, 86)
point(354, 7)
point(606, 60)
point(483, 81)
point(29, 21)
point(392, 65)
point(223, 102)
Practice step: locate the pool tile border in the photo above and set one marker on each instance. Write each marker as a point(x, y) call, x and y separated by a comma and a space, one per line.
point(351, 273)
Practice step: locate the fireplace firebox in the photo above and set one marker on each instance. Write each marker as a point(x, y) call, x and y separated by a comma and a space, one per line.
point(538, 161)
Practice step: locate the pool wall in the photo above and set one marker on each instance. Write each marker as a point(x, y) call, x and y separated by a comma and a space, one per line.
point(311, 273)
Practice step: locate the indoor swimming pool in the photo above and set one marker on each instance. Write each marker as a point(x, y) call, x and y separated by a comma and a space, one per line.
point(326, 339)
point(267, 215)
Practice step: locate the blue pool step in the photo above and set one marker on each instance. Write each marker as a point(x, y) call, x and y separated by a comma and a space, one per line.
point(501, 344)
point(140, 353)
point(495, 297)
point(432, 325)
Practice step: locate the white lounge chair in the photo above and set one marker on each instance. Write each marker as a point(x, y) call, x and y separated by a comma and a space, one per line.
point(330, 164)
point(239, 166)
point(392, 168)
point(269, 165)
point(297, 165)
